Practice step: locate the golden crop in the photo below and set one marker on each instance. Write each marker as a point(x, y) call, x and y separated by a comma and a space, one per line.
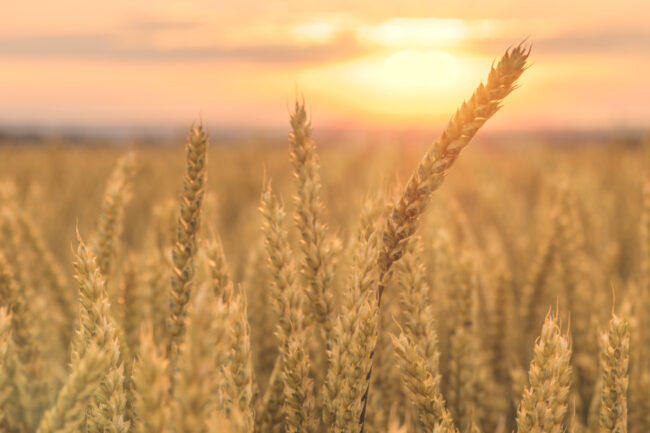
point(516, 297)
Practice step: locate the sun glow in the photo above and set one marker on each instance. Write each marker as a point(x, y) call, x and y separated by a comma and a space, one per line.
point(410, 69)
point(401, 87)
point(411, 32)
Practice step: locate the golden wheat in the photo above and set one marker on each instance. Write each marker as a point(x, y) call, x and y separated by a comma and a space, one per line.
point(265, 328)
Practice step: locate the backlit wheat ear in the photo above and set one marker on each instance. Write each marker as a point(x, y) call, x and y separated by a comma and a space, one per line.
point(221, 284)
point(186, 237)
point(240, 385)
point(109, 407)
point(290, 375)
point(429, 175)
point(422, 380)
point(287, 298)
point(317, 267)
point(110, 221)
point(574, 278)
point(151, 386)
point(354, 332)
point(13, 382)
point(25, 343)
point(55, 280)
point(544, 404)
point(70, 409)
point(416, 348)
point(539, 272)
point(614, 361)
point(203, 352)
point(464, 363)
point(298, 388)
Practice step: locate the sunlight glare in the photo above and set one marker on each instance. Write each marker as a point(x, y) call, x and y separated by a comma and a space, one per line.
point(415, 32)
point(317, 31)
point(420, 69)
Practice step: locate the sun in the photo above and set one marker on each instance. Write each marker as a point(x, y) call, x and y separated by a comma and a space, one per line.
point(419, 69)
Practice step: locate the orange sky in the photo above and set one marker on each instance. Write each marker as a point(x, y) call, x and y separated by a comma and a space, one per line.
point(358, 63)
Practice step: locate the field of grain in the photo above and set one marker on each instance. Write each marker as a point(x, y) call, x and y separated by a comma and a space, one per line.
point(294, 287)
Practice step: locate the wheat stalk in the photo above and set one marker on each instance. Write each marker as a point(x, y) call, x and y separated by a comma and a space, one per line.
point(204, 350)
point(151, 386)
point(429, 175)
point(186, 233)
point(69, 411)
point(354, 332)
point(25, 344)
point(109, 408)
point(544, 403)
point(614, 360)
point(110, 221)
point(54, 276)
point(317, 267)
point(13, 382)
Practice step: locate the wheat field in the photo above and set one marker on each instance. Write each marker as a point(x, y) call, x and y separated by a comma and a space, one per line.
point(308, 289)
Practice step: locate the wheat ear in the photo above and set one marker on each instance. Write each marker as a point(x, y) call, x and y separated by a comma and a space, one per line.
point(69, 411)
point(152, 386)
point(112, 214)
point(429, 175)
point(533, 289)
point(287, 299)
point(291, 372)
point(463, 363)
point(204, 351)
point(614, 361)
point(354, 332)
point(544, 403)
point(109, 408)
point(298, 387)
point(187, 230)
point(416, 348)
point(221, 284)
point(13, 382)
point(240, 386)
point(25, 343)
point(317, 267)
point(54, 276)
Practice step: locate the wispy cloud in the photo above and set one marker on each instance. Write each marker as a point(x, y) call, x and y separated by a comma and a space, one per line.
point(602, 42)
point(99, 46)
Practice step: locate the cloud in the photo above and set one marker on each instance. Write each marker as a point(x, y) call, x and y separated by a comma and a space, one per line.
point(596, 42)
point(99, 46)
point(342, 45)
point(153, 25)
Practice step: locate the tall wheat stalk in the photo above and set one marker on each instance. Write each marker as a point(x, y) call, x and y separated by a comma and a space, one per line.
point(317, 266)
point(544, 403)
point(429, 175)
point(614, 361)
point(186, 239)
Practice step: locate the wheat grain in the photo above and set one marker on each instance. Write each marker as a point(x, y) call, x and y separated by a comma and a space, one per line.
point(354, 332)
point(69, 411)
point(186, 233)
point(110, 222)
point(429, 175)
point(614, 361)
point(544, 403)
point(152, 386)
point(196, 392)
point(317, 267)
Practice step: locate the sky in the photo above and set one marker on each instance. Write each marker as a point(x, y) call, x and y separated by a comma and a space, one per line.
point(358, 63)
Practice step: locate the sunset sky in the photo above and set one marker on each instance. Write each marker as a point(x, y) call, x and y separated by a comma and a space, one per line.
point(362, 63)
